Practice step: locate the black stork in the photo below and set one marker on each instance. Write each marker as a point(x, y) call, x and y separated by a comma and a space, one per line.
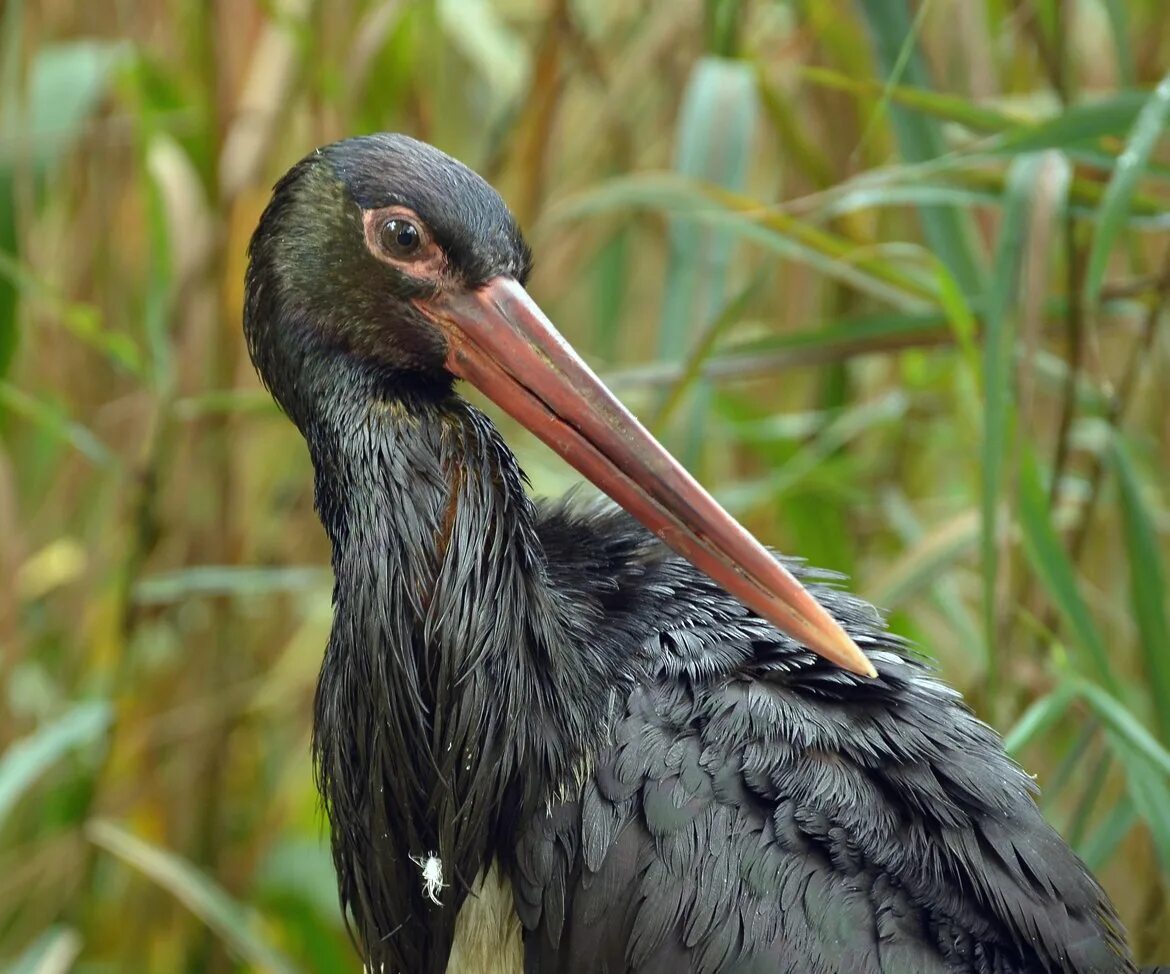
point(550, 738)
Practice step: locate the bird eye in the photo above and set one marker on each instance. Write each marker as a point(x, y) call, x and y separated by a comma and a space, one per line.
point(400, 238)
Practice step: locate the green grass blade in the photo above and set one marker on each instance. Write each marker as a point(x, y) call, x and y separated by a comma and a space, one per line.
point(999, 407)
point(922, 568)
point(9, 256)
point(227, 581)
point(1147, 762)
point(83, 321)
point(717, 123)
point(1076, 125)
point(12, 38)
point(809, 461)
point(53, 952)
point(891, 330)
point(1055, 571)
point(610, 273)
point(944, 107)
point(1039, 718)
point(929, 560)
point(477, 30)
point(1118, 13)
point(50, 418)
point(1151, 797)
point(1083, 741)
point(701, 350)
point(835, 343)
point(66, 83)
point(226, 402)
point(971, 188)
point(828, 253)
point(919, 195)
point(1104, 160)
point(964, 326)
point(38, 126)
point(949, 231)
point(230, 921)
point(1084, 195)
point(27, 759)
point(883, 333)
point(1147, 583)
point(716, 132)
point(1091, 780)
point(1131, 165)
point(158, 309)
point(796, 145)
point(722, 21)
point(1101, 844)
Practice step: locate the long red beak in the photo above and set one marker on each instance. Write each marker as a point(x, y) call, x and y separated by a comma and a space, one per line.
point(501, 342)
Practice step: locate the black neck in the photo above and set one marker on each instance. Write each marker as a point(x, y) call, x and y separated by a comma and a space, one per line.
point(450, 656)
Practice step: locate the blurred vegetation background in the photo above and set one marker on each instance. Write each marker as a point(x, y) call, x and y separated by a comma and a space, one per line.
point(891, 276)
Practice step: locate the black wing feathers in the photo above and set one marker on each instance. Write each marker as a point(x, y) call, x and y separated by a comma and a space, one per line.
point(755, 809)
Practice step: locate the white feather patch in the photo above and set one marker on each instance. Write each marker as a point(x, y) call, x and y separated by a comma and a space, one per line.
point(431, 867)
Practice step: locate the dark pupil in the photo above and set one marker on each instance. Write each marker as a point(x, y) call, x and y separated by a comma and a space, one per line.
point(402, 237)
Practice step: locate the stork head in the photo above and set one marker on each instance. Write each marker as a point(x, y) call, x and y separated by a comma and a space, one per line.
point(384, 258)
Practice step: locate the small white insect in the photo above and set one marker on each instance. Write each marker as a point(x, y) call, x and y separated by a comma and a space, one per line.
point(432, 875)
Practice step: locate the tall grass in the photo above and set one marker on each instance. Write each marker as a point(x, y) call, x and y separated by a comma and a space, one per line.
point(892, 276)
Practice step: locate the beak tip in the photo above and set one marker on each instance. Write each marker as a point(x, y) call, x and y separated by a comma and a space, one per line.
point(843, 651)
point(821, 632)
point(857, 662)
